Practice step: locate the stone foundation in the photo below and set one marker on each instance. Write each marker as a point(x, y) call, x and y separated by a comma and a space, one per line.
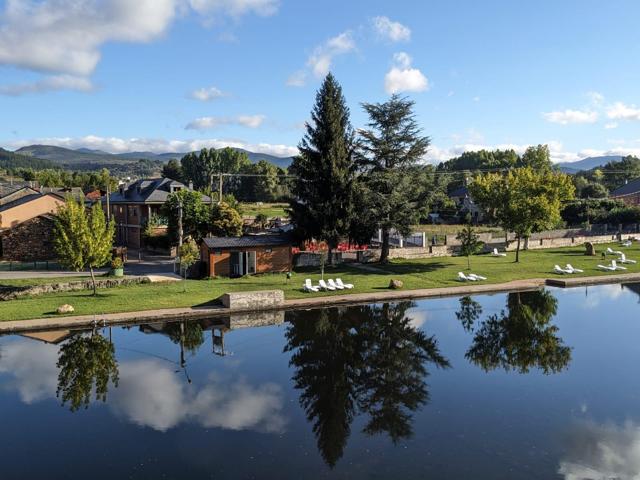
point(253, 300)
point(11, 293)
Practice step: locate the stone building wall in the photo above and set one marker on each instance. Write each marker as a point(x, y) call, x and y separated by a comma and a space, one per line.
point(29, 241)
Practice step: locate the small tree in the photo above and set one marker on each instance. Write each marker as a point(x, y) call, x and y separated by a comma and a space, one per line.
point(188, 256)
point(225, 221)
point(469, 243)
point(82, 240)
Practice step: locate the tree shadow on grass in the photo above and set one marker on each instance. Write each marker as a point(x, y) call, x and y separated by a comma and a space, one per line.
point(415, 268)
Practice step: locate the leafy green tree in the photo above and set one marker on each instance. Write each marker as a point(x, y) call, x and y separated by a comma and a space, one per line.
point(469, 243)
point(189, 254)
point(594, 190)
point(481, 160)
point(390, 149)
point(321, 203)
point(225, 221)
point(82, 240)
point(524, 200)
point(469, 312)
point(85, 363)
point(585, 212)
point(615, 174)
point(261, 220)
point(195, 215)
point(522, 337)
point(204, 167)
point(264, 186)
point(172, 170)
point(537, 158)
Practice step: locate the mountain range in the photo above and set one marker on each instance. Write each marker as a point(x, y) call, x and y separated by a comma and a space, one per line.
point(587, 163)
point(88, 159)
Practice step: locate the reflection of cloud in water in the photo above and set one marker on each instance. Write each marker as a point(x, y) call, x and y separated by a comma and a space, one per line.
point(151, 394)
point(602, 293)
point(602, 452)
point(33, 368)
point(417, 318)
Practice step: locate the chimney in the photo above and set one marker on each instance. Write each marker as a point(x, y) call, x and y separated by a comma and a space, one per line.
point(190, 185)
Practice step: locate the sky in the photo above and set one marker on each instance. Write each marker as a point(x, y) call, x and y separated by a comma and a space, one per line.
point(179, 75)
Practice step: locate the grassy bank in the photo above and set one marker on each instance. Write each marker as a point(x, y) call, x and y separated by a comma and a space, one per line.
point(271, 210)
point(416, 274)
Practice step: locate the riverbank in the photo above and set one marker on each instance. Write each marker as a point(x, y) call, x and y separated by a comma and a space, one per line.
point(212, 311)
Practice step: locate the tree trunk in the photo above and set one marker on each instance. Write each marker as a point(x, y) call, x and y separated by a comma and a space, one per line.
point(518, 250)
point(384, 252)
point(93, 281)
point(330, 256)
point(468, 262)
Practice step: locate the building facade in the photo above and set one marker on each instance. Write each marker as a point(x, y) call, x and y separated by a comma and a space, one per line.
point(628, 193)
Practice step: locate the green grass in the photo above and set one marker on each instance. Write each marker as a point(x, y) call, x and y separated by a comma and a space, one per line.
point(28, 282)
point(416, 274)
point(271, 210)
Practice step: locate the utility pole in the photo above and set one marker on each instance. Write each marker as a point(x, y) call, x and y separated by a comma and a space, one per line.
point(108, 204)
point(180, 233)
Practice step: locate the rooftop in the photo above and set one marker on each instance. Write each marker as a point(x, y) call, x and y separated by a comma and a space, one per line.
point(152, 190)
point(629, 189)
point(247, 241)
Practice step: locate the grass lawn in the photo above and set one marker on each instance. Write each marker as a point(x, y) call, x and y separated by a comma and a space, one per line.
point(416, 274)
point(271, 210)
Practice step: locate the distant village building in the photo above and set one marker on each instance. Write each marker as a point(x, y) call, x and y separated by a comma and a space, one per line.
point(247, 255)
point(628, 193)
point(133, 205)
point(465, 204)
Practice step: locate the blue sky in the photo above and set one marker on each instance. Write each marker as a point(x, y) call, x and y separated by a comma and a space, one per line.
point(172, 75)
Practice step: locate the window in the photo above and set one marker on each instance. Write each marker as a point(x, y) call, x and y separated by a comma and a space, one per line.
point(267, 250)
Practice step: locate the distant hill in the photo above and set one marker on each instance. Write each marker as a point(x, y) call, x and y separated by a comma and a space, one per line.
point(15, 160)
point(587, 163)
point(88, 159)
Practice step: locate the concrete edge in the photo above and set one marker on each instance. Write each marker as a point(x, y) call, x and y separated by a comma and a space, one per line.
point(310, 303)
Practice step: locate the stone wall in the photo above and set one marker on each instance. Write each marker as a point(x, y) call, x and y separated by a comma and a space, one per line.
point(29, 241)
point(248, 300)
point(11, 293)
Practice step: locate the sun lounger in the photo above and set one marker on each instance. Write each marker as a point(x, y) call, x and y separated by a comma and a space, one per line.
point(616, 266)
point(610, 251)
point(498, 254)
point(324, 286)
point(473, 276)
point(623, 259)
point(309, 287)
point(607, 267)
point(627, 243)
point(560, 270)
point(570, 269)
point(463, 278)
point(347, 286)
point(334, 284)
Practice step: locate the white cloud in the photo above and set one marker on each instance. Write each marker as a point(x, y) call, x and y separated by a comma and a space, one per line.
point(320, 61)
point(403, 78)
point(602, 452)
point(48, 84)
point(596, 98)
point(236, 8)
point(567, 117)
point(207, 94)
point(32, 367)
point(210, 123)
point(122, 145)
point(621, 111)
point(611, 125)
point(66, 36)
point(393, 31)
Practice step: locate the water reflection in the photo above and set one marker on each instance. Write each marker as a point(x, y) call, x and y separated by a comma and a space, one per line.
point(86, 363)
point(518, 338)
point(366, 360)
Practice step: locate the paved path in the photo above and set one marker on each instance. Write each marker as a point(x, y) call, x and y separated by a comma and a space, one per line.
point(306, 303)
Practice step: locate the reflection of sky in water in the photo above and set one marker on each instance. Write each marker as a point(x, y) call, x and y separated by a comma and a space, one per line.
point(241, 417)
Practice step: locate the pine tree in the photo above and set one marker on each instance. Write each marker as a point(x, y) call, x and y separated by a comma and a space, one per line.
point(390, 150)
point(321, 207)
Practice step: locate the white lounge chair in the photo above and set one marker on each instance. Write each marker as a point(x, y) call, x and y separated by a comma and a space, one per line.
point(560, 270)
point(627, 243)
point(324, 286)
point(334, 284)
point(610, 251)
point(473, 276)
point(609, 268)
point(309, 287)
point(570, 269)
point(463, 278)
point(496, 253)
point(623, 259)
point(347, 286)
point(615, 266)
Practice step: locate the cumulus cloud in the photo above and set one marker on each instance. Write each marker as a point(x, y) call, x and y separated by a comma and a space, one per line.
point(566, 117)
point(65, 37)
point(611, 125)
point(48, 84)
point(403, 78)
point(390, 30)
point(320, 61)
point(156, 145)
point(32, 367)
point(621, 111)
point(602, 451)
point(207, 94)
point(210, 123)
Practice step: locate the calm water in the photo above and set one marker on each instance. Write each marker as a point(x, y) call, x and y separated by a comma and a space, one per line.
point(519, 386)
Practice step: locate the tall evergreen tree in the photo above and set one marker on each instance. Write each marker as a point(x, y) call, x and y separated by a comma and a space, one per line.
point(321, 204)
point(390, 150)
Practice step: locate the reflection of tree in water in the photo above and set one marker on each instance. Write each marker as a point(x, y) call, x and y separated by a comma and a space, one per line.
point(469, 312)
point(522, 338)
point(366, 360)
point(189, 335)
point(85, 361)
